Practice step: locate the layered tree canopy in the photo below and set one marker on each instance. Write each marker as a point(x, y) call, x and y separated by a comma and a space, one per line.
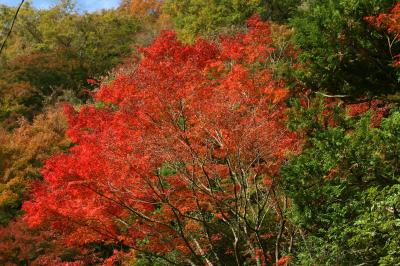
point(51, 54)
point(254, 133)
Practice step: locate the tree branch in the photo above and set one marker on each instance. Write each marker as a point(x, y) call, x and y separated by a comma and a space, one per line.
point(12, 26)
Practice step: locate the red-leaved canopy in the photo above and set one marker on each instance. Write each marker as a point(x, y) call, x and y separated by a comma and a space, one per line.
point(179, 159)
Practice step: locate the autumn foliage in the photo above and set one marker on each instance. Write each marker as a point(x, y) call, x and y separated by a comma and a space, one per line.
point(259, 143)
point(22, 153)
point(144, 8)
point(179, 159)
point(390, 24)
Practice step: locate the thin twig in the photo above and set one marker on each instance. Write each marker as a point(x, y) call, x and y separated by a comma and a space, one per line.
point(331, 96)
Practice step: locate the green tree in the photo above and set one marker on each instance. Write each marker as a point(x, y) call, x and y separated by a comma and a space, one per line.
point(340, 51)
point(56, 50)
point(280, 10)
point(345, 189)
point(196, 17)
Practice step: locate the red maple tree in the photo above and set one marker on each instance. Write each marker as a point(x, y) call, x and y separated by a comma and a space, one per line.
point(179, 159)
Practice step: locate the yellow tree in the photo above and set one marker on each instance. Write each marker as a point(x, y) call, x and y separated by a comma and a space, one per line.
point(22, 153)
point(149, 10)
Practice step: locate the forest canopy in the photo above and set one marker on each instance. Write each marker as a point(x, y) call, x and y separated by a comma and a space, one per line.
point(194, 132)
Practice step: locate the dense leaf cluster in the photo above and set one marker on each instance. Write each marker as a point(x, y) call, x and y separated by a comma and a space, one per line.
point(340, 51)
point(344, 188)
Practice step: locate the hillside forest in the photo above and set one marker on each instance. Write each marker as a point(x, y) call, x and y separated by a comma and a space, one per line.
point(200, 133)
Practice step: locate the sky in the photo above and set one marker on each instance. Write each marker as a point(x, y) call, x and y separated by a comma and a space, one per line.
point(84, 5)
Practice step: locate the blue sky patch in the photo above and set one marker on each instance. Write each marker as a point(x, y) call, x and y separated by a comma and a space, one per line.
point(83, 5)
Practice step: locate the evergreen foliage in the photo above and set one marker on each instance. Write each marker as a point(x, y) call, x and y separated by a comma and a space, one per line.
point(345, 192)
point(340, 51)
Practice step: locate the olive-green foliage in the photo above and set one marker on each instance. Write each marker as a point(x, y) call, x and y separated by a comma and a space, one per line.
point(280, 10)
point(340, 51)
point(56, 50)
point(345, 188)
point(195, 18)
point(143, 260)
point(198, 17)
point(91, 37)
point(22, 154)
